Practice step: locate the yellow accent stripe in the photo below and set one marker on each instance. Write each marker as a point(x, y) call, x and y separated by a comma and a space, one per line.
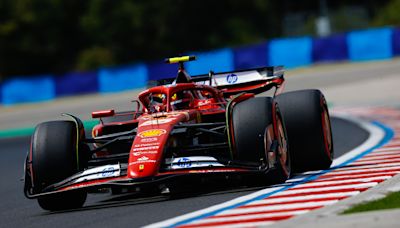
point(179, 59)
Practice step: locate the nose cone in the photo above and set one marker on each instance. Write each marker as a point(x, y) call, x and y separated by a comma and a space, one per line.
point(147, 149)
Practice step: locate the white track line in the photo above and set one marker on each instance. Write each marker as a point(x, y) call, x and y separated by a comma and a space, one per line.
point(362, 170)
point(370, 165)
point(350, 177)
point(379, 158)
point(368, 175)
point(394, 162)
point(276, 207)
point(308, 197)
point(241, 225)
point(299, 189)
point(327, 183)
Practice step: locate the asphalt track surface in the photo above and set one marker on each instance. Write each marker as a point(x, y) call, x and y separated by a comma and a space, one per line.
point(106, 210)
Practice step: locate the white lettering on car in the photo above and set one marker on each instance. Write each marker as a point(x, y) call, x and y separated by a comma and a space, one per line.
point(146, 140)
point(136, 154)
point(146, 148)
point(157, 121)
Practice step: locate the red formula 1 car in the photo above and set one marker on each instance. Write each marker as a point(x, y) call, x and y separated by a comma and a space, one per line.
point(183, 129)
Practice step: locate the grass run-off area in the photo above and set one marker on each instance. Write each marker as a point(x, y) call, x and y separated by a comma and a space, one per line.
point(389, 202)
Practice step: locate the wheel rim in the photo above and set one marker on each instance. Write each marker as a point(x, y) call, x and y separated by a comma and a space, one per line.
point(326, 125)
point(283, 148)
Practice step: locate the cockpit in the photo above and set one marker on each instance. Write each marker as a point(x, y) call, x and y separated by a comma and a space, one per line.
point(180, 99)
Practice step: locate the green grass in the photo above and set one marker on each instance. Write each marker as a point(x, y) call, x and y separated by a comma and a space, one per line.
point(391, 201)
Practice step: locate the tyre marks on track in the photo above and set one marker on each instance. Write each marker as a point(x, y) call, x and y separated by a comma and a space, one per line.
point(313, 190)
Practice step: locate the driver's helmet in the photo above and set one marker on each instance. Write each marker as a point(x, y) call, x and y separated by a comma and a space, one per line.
point(157, 102)
point(182, 100)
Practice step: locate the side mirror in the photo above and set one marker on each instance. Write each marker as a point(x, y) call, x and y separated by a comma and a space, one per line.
point(104, 113)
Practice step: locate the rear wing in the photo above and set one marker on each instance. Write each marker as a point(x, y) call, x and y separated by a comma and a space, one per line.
point(254, 80)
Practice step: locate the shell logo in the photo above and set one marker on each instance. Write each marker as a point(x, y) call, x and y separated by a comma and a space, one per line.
point(152, 133)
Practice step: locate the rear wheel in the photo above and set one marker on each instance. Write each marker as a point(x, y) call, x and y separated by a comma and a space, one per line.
point(54, 158)
point(256, 123)
point(309, 130)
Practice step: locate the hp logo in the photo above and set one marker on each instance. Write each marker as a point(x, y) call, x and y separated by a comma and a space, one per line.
point(231, 78)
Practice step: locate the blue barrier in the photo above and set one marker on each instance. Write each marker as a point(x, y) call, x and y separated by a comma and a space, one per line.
point(76, 83)
point(122, 78)
point(250, 56)
point(396, 41)
point(291, 52)
point(372, 44)
point(21, 90)
point(331, 48)
point(158, 70)
point(217, 61)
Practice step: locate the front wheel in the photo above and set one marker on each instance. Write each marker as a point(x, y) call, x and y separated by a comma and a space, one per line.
point(55, 157)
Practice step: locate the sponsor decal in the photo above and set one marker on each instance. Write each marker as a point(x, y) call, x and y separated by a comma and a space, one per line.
point(146, 140)
point(147, 144)
point(212, 171)
point(99, 173)
point(137, 154)
point(205, 102)
point(231, 78)
point(152, 133)
point(141, 162)
point(146, 148)
point(144, 158)
point(184, 162)
point(107, 172)
point(141, 167)
point(157, 121)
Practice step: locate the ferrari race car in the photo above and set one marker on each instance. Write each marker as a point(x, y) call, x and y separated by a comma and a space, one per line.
point(183, 129)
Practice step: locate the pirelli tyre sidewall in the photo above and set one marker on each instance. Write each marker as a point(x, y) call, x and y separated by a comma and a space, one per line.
point(309, 131)
point(54, 158)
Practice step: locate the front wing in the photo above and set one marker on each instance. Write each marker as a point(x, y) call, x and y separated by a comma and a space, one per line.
point(115, 175)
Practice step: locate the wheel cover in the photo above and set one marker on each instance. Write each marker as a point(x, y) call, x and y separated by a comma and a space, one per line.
point(326, 125)
point(283, 148)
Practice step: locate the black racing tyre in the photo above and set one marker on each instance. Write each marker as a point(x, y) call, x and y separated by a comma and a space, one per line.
point(55, 157)
point(250, 120)
point(309, 131)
